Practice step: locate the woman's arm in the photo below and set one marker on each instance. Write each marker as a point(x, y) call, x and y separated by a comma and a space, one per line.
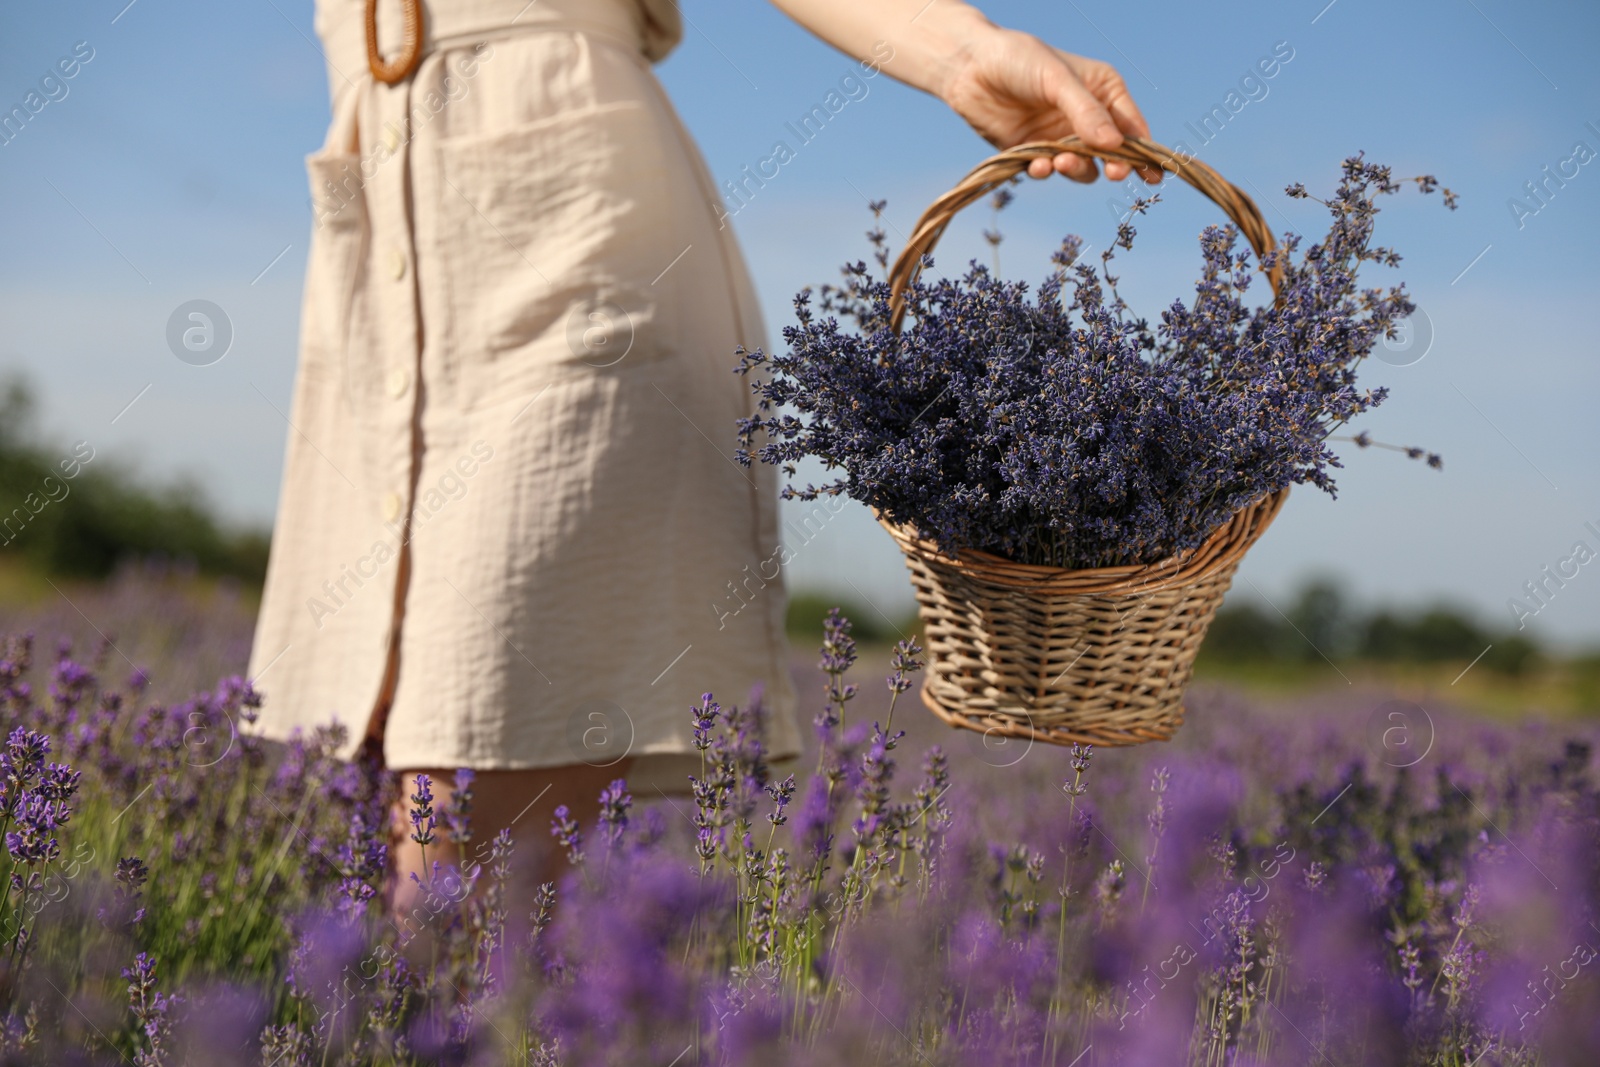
point(1010, 87)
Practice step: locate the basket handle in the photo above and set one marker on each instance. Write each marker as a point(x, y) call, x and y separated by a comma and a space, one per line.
point(999, 169)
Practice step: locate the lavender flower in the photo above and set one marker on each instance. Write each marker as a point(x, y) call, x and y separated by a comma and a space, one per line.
point(1064, 430)
point(150, 1009)
point(614, 804)
point(838, 656)
point(422, 817)
point(34, 799)
point(70, 683)
point(872, 792)
point(1364, 440)
point(126, 906)
point(1300, 900)
point(838, 647)
point(362, 859)
point(905, 663)
point(781, 793)
point(564, 828)
point(458, 809)
point(705, 720)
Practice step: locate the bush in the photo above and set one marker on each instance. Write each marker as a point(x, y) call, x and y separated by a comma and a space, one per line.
point(68, 511)
point(1321, 623)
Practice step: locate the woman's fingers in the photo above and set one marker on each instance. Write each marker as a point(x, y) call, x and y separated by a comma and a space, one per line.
point(1016, 89)
point(1082, 168)
point(1107, 86)
point(1067, 164)
point(1123, 110)
point(1089, 118)
point(1078, 168)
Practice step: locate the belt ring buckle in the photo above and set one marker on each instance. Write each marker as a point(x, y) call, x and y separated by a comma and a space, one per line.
point(389, 72)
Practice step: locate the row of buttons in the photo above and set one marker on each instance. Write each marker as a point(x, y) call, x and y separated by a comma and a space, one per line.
point(399, 380)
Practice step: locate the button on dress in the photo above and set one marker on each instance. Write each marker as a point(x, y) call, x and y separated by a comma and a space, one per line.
point(511, 532)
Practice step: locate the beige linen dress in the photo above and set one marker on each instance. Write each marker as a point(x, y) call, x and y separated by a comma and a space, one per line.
point(511, 533)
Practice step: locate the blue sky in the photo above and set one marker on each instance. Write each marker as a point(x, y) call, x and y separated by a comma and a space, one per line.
point(172, 169)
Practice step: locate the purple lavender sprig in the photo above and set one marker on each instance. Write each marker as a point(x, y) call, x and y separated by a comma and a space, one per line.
point(838, 656)
point(1364, 440)
point(35, 803)
point(711, 787)
point(872, 792)
point(423, 820)
point(423, 824)
point(1157, 821)
point(904, 663)
point(150, 1009)
point(491, 940)
point(705, 721)
point(615, 802)
point(564, 828)
point(363, 862)
point(457, 809)
point(126, 909)
point(1074, 789)
point(781, 793)
point(739, 757)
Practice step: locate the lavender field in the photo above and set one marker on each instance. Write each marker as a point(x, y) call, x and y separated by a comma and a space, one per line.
point(1343, 878)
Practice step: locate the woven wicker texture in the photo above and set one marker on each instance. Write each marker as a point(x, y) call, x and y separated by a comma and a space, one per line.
point(1098, 656)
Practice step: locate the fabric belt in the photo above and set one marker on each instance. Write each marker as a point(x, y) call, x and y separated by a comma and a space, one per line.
point(404, 31)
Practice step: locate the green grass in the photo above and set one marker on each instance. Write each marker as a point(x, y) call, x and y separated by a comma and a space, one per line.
point(1562, 688)
point(869, 625)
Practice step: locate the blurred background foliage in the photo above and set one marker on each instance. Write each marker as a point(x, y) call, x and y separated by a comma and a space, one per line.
point(1319, 628)
point(84, 526)
point(1322, 638)
point(112, 518)
point(1322, 625)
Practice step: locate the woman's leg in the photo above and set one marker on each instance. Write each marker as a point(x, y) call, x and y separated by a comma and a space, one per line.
point(522, 801)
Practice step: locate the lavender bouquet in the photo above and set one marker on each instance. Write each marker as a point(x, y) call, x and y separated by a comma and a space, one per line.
point(1065, 431)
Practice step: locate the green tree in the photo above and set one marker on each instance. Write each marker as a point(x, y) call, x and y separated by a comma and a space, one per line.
point(85, 524)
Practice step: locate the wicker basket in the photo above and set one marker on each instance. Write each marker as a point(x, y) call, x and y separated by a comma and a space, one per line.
point(1097, 656)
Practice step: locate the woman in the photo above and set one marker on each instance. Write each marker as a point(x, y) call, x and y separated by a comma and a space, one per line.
point(509, 506)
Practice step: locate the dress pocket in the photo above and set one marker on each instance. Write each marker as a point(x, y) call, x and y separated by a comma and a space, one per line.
point(339, 234)
point(552, 236)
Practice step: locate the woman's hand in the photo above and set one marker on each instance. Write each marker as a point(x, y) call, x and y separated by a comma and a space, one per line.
point(1013, 88)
